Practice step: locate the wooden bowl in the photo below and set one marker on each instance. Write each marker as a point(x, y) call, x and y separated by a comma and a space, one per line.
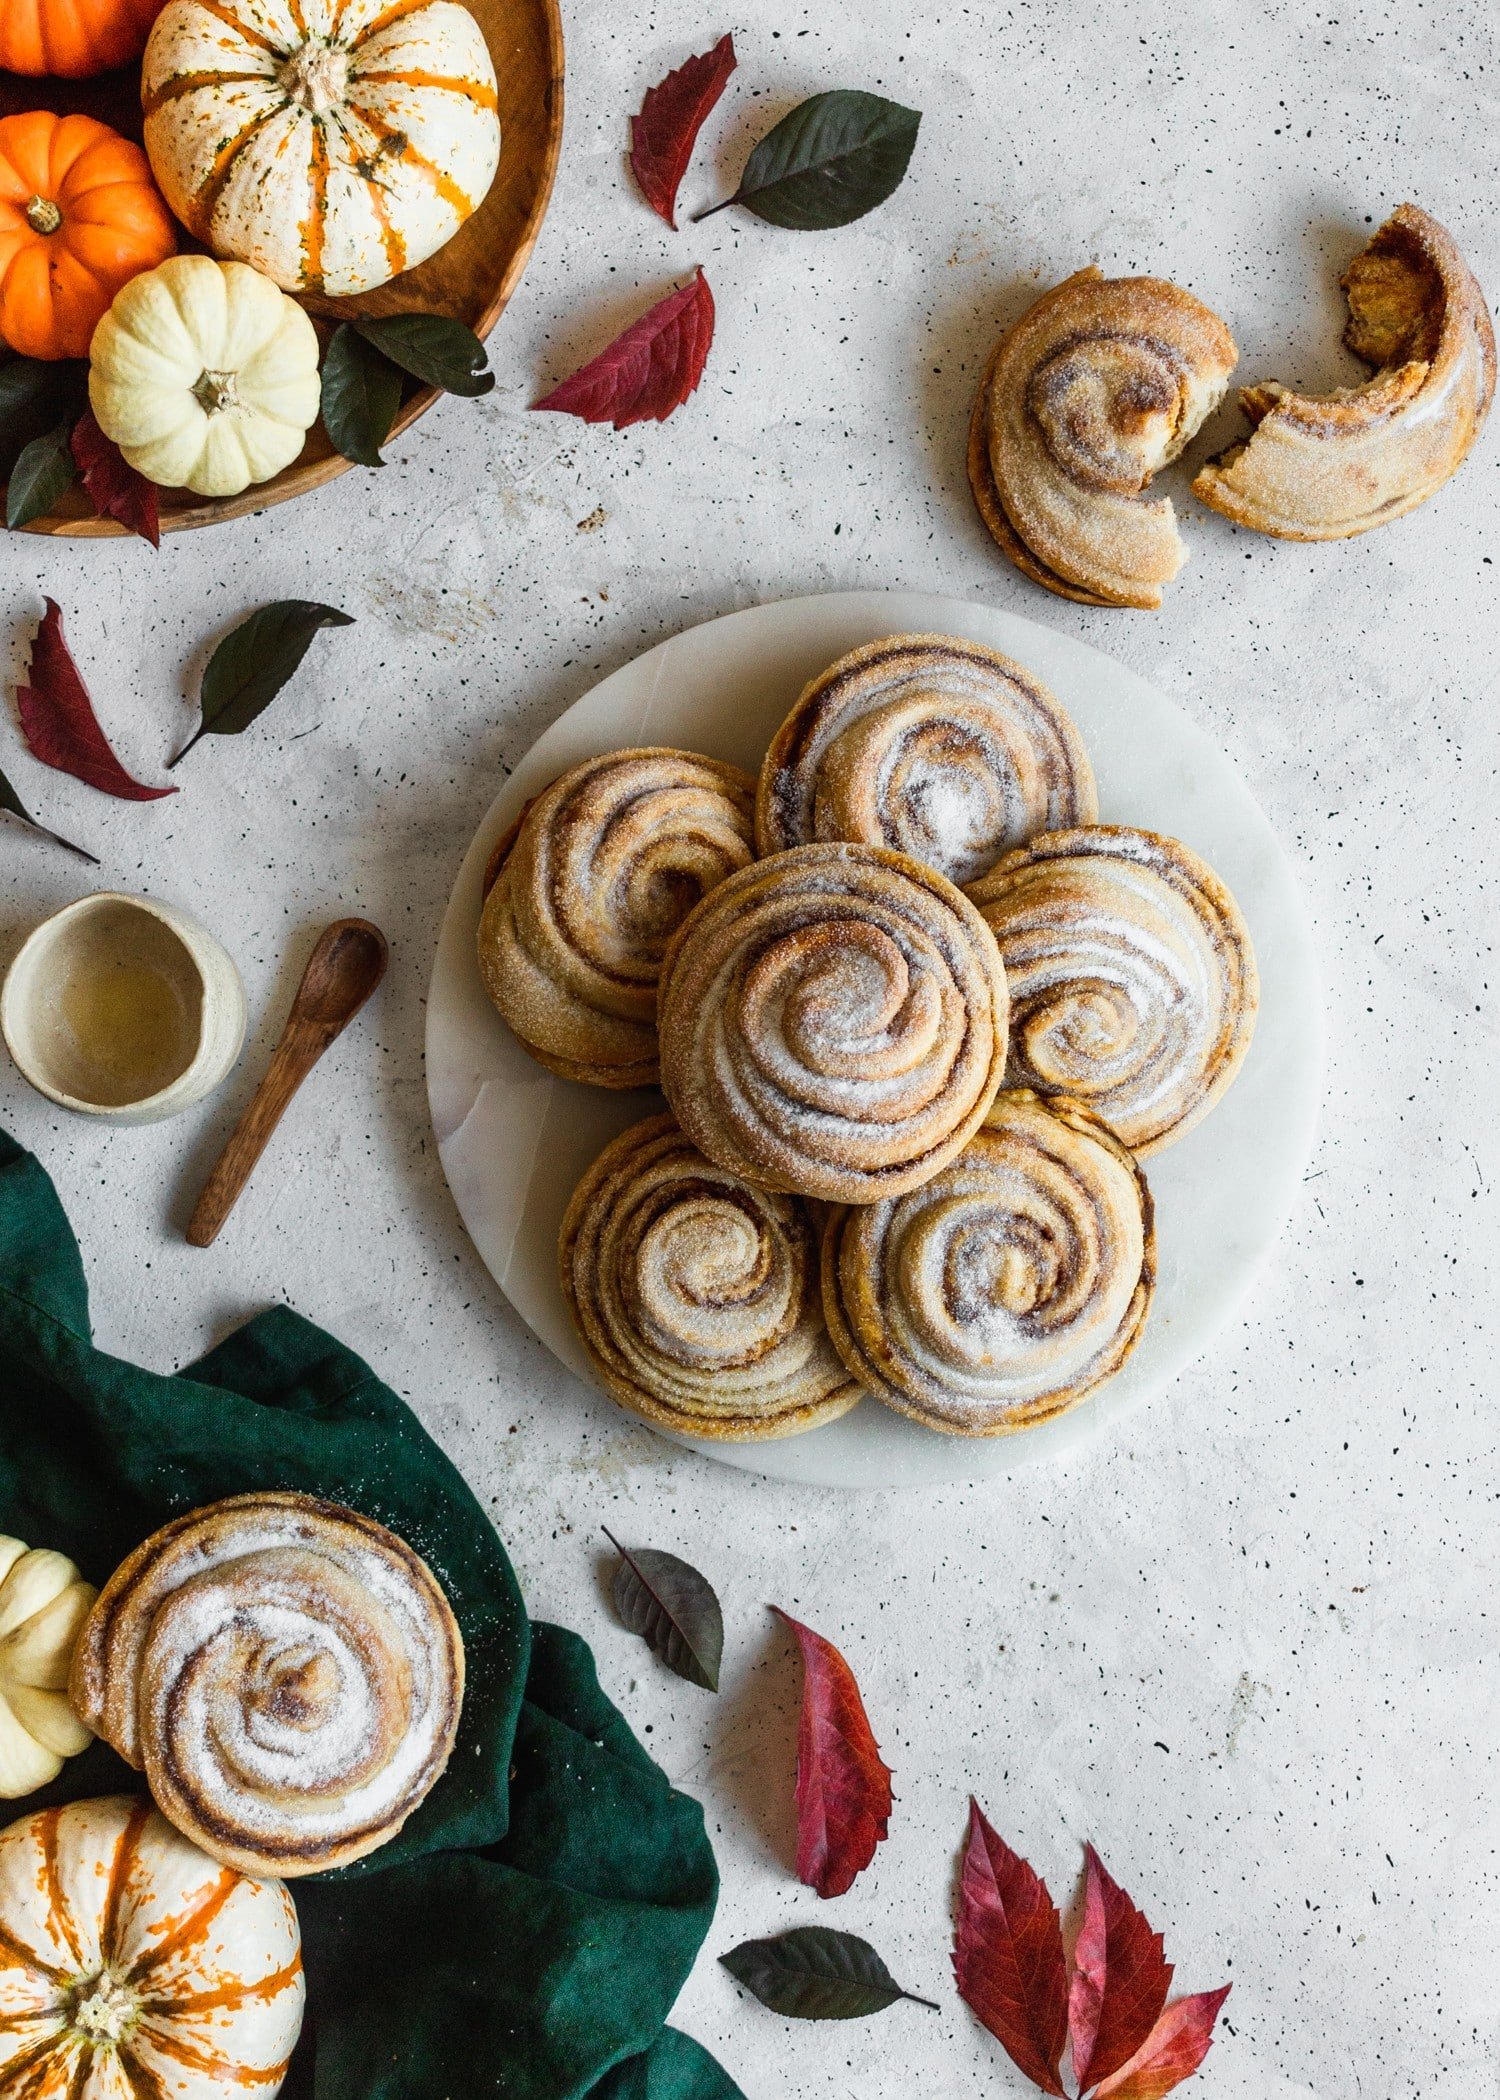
point(470, 279)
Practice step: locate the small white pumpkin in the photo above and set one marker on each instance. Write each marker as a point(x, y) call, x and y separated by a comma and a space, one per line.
point(205, 375)
point(132, 1964)
point(43, 1604)
point(331, 143)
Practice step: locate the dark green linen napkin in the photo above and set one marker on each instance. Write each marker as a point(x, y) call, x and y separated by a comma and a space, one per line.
point(528, 1931)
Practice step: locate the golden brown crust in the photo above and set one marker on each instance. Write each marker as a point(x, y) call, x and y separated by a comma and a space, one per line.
point(833, 1022)
point(696, 1295)
point(287, 1673)
point(1327, 468)
point(931, 745)
point(1100, 383)
point(603, 867)
point(1132, 977)
point(1007, 1288)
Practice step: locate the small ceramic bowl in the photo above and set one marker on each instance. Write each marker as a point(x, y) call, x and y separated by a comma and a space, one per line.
point(122, 1008)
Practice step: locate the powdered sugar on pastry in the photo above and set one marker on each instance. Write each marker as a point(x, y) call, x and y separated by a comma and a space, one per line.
point(1132, 979)
point(605, 866)
point(696, 1295)
point(833, 1022)
point(930, 745)
point(1007, 1287)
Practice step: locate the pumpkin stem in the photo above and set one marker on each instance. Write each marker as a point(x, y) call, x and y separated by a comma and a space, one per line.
point(216, 391)
point(43, 216)
point(317, 76)
point(104, 2008)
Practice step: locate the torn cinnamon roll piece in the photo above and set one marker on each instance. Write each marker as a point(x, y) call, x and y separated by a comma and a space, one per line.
point(1326, 468)
point(1095, 388)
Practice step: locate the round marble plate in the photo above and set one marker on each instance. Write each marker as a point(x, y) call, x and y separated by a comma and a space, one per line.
point(514, 1140)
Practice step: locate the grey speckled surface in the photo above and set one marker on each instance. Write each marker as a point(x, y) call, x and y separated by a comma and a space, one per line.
point(1249, 1647)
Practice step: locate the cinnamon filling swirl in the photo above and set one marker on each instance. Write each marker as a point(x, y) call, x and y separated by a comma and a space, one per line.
point(927, 744)
point(1095, 388)
point(287, 1673)
point(1132, 978)
point(833, 1022)
point(697, 1296)
point(605, 865)
point(1006, 1288)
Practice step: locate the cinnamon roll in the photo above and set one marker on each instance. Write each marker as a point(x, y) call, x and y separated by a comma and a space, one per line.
point(833, 1022)
point(1092, 391)
point(1133, 983)
point(1327, 467)
point(288, 1674)
point(605, 865)
point(933, 746)
point(698, 1296)
point(1007, 1287)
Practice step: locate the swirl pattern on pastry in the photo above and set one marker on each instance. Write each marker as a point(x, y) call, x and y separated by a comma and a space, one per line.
point(1007, 1287)
point(931, 745)
point(1095, 388)
point(605, 865)
point(698, 1296)
point(833, 1022)
point(1133, 982)
point(287, 1673)
point(1325, 468)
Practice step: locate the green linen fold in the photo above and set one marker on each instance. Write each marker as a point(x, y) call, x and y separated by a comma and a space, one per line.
point(528, 1931)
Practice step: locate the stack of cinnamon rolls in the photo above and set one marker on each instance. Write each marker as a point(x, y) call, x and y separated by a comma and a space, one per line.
point(918, 1018)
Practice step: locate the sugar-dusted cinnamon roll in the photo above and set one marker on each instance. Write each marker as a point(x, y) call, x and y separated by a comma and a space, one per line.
point(1092, 391)
point(833, 1022)
point(1132, 979)
point(605, 865)
point(931, 745)
point(1007, 1287)
point(698, 1296)
point(1326, 467)
point(288, 1674)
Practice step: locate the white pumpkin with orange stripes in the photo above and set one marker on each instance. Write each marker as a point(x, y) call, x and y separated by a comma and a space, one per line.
point(132, 1964)
point(330, 143)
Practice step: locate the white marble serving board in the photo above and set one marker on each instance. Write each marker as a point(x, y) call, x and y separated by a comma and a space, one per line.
point(514, 1140)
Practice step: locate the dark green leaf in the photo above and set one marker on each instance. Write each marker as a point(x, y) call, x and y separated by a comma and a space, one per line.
point(33, 396)
point(11, 801)
point(361, 394)
point(45, 468)
point(813, 1973)
point(442, 352)
point(674, 1610)
point(832, 159)
point(253, 663)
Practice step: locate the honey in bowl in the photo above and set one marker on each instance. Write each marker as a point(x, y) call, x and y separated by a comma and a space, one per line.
point(123, 1008)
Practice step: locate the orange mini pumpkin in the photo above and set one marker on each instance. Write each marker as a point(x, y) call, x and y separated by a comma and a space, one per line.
point(79, 217)
point(76, 38)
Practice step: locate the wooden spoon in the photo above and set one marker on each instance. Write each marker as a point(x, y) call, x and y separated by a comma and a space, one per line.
point(344, 968)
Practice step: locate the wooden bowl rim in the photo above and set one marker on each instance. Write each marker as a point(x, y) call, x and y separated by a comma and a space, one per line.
point(301, 479)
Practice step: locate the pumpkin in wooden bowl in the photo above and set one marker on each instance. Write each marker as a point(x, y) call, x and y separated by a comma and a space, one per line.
point(336, 237)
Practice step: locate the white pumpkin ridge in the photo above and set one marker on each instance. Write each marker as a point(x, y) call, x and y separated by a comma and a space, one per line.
point(332, 144)
point(130, 1962)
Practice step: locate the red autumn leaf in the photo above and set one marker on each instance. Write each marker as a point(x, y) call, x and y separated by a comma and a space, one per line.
point(843, 1785)
point(58, 721)
point(662, 137)
point(1173, 2050)
point(1008, 1955)
point(1120, 1979)
point(114, 488)
point(649, 370)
